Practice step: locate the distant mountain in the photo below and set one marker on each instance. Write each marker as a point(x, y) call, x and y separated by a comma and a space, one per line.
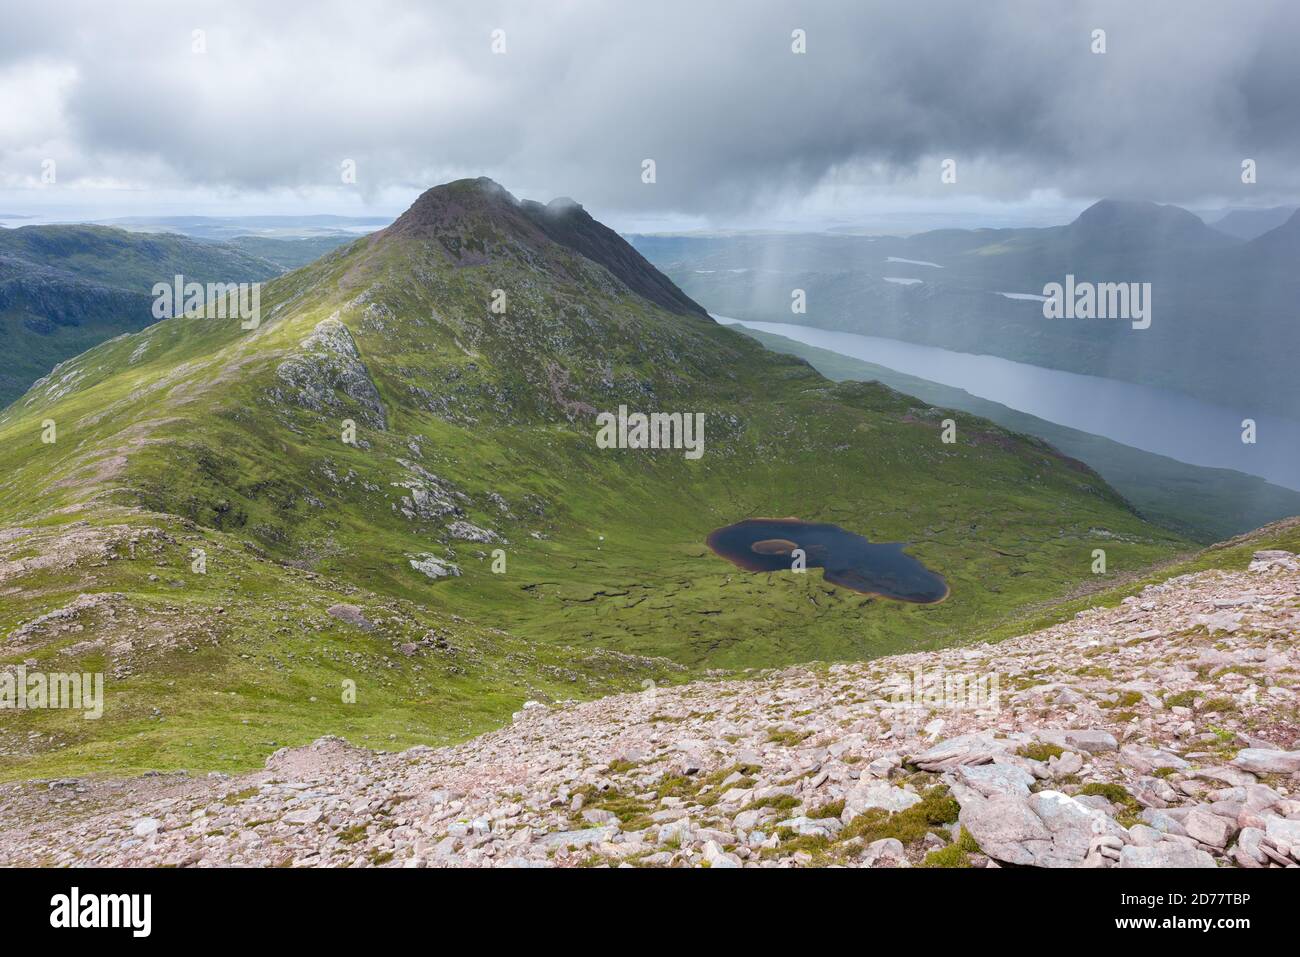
point(1139, 226)
point(115, 257)
point(385, 511)
point(1282, 240)
point(64, 289)
point(1250, 223)
point(1223, 325)
point(290, 253)
point(222, 228)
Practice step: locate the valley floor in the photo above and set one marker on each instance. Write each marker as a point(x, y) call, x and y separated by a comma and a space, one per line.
point(1161, 732)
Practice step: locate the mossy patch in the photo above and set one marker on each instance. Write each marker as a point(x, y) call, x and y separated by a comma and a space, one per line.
point(1183, 699)
point(950, 856)
point(1127, 808)
point(787, 738)
point(1221, 705)
point(833, 809)
point(936, 808)
point(1125, 699)
point(1040, 751)
point(352, 835)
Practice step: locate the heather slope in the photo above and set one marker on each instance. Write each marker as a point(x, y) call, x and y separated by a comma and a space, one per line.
point(475, 432)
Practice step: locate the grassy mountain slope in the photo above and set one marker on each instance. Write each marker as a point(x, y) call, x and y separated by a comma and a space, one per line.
point(1207, 505)
point(475, 431)
point(64, 289)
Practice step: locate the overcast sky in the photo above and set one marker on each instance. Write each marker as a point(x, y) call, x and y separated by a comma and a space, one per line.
point(744, 132)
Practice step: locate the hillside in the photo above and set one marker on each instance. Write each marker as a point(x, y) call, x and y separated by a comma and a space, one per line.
point(1161, 732)
point(1250, 223)
point(64, 289)
point(327, 561)
point(1222, 327)
point(1205, 504)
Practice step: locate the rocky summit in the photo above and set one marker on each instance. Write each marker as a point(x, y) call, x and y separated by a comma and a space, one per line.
point(1160, 731)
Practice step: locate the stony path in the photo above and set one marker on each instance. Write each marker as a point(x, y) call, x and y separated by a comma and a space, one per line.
point(1162, 732)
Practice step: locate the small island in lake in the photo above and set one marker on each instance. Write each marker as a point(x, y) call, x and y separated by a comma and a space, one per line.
point(847, 559)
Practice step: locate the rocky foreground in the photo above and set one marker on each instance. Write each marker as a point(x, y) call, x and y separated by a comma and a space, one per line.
point(1159, 733)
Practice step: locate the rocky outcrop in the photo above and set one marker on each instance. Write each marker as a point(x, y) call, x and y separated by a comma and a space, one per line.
point(431, 566)
point(468, 532)
point(1124, 737)
point(428, 497)
point(326, 365)
point(350, 614)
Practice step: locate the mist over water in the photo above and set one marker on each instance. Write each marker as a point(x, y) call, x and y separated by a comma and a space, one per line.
point(1155, 420)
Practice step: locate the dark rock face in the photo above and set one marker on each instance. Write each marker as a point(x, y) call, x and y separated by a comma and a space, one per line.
point(471, 216)
point(568, 224)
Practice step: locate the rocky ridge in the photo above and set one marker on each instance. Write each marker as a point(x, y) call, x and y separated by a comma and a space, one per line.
point(1160, 732)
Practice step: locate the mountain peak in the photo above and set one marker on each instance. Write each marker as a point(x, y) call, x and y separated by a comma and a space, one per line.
point(478, 219)
point(563, 204)
point(1111, 212)
point(452, 202)
point(481, 193)
point(1140, 224)
point(1125, 220)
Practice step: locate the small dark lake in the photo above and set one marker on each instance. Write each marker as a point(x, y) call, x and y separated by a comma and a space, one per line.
point(849, 560)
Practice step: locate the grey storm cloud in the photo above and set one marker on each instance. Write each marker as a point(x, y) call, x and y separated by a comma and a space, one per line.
point(711, 91)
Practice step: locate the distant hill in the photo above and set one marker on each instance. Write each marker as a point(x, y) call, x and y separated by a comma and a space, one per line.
point(223, 228)
point(1248, 223)
point(64, 289)
point(289, 254)
point(1205, 504)
point(1223, 326)
point(1136, 227)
